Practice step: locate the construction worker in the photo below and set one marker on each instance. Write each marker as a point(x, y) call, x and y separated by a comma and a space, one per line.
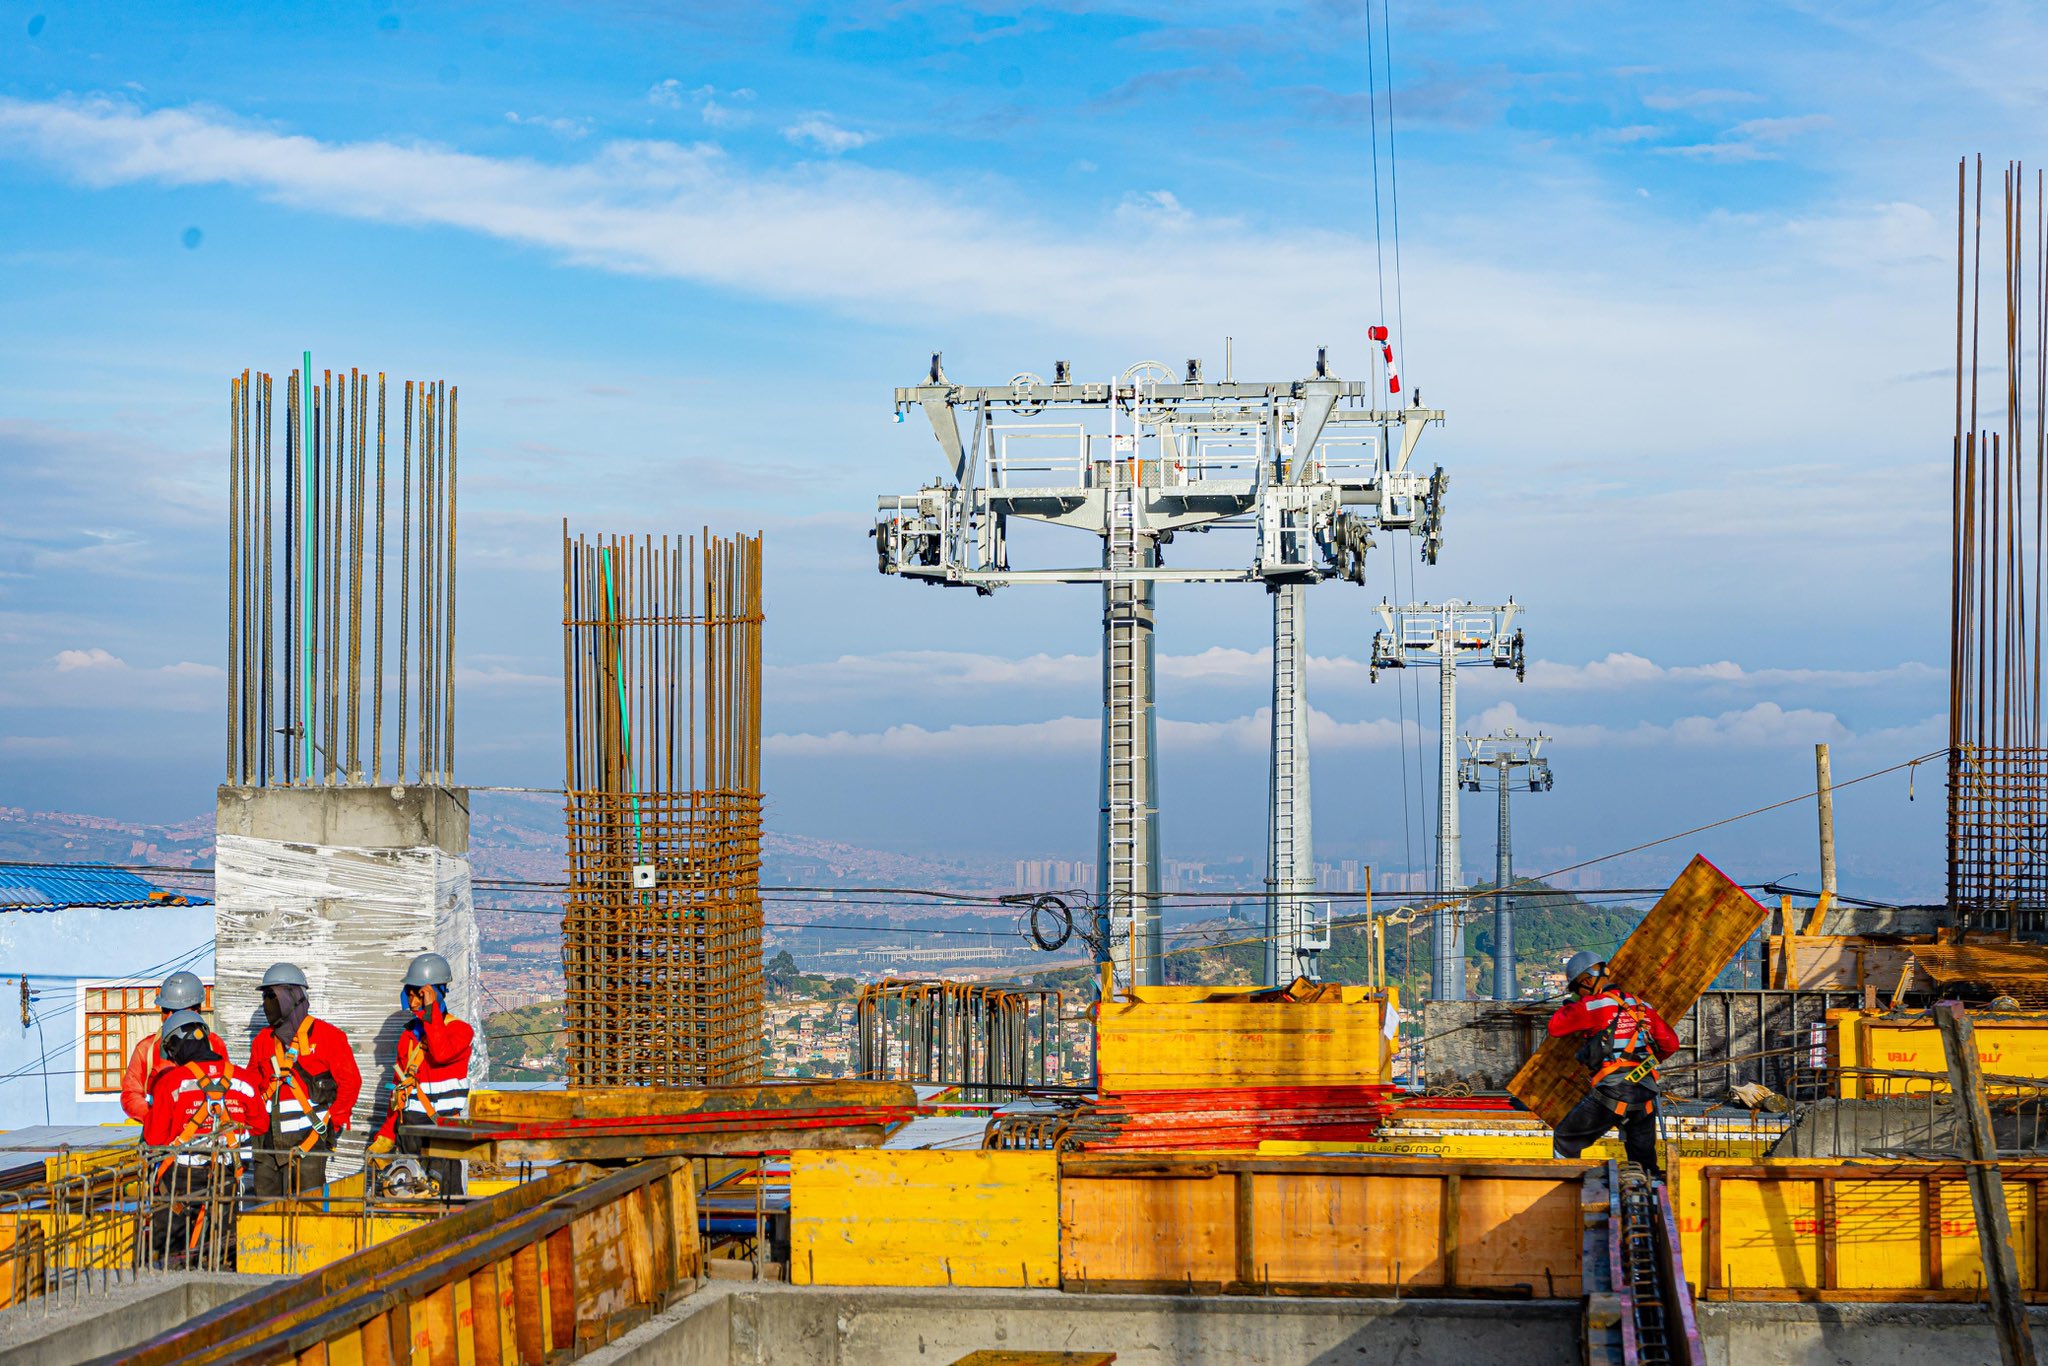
point(430, 1084)
point(1624, 1039)
point(307, 1077)
point(180, 991)
point(201, 1110)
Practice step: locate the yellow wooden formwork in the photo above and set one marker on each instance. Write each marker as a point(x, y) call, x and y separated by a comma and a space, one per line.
point(1334, 1225)
point(1860, 1043)
point(1819, 1229)
point(910, 1217)
point(1198, 1038)
point(292, 1238)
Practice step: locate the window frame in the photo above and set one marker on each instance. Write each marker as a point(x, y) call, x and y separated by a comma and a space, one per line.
point(135, 1023)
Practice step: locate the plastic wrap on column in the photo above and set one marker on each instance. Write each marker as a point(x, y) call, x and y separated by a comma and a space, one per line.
point(351, 919)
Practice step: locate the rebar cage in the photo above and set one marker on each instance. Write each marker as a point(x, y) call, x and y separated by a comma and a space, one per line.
point(661, 928)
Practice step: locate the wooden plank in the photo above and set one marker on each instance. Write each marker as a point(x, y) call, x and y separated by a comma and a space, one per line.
point(1168, 1044)
point(511, 1152)
point(913, 1217)
point(1987, 1188)
point(1447, 1204)
point(1002, 1358)
point(1693, 931)
point(1349, 1230)
point(1519, 1232)
point(486, 1318)
point(634, 1102)
point(558, 1264)
point(1148, 1230)
point(529, 1307)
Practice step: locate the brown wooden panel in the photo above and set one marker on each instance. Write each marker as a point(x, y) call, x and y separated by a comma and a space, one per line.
point(635, 1102)
point(560, 1269)
point(1519, 1232)
point(1693, 931)
point(1148, 1230)
point(1381, 1230)
point(485, 1323)
point(529, 1306)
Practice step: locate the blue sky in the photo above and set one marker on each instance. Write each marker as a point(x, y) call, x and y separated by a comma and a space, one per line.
point(1682, 277)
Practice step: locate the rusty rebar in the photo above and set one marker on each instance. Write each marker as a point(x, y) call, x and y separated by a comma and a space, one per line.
point(662, 922)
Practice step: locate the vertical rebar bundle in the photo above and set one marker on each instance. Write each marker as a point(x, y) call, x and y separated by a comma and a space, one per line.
point(1997, 767)
point(991, 1040)
point(306, 629)
point(661, 931)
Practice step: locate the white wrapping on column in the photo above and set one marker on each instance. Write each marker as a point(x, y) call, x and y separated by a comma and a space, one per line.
point(352, 919)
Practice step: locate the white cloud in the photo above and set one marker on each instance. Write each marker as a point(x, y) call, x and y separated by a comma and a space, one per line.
point(568, 128)
point(94, 658)
point(822, 133)
point(727, 115)
point(890, 672)
point(666, 94)
point(1699, 99)
point(1065, 734)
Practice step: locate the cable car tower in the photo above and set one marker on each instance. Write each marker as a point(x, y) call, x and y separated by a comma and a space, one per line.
point(1455, 633)
point(1308, 466)
point(1495, 758)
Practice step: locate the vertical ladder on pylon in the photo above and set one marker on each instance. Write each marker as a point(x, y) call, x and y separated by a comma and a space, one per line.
point(1124, 779)
point(1286, 802)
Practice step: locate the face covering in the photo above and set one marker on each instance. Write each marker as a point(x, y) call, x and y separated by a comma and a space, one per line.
point(284, 1008)
point(186, 1047)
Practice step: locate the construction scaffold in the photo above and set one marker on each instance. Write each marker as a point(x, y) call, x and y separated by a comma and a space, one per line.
point(310, 602)
point(1997, 764)
point(661, 928)
point(991, 1040)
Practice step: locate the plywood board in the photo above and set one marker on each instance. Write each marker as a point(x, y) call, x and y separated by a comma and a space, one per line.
point(913, 1217)
point(1171, 1229)
point(633, 1102)
point(2008, 1045)
point(1693, 931)
point(1155, 1045)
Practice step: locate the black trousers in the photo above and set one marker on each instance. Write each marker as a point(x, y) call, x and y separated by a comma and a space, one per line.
point(1592, 1117)
point(287, 1171)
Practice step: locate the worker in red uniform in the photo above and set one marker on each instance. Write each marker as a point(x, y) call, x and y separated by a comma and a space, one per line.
point(202, 1108)
point(1623, 1040)
point(430, 1084)
point(180, 991)
point(307, 1077)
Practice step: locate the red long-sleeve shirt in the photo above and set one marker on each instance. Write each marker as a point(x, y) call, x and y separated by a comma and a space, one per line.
point(324, 1052)
point(178, 1094)
point(433, 1053)
point(140, 1078)
point(1593, 1014)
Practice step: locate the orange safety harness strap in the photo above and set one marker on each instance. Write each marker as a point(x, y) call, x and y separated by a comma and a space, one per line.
point(1635, 1070)
point(285, 1071)
point(407, 1087)
point(212, 1111)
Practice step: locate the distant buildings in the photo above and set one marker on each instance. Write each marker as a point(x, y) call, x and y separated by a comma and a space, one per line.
point(1053, 875)
point(82, 950)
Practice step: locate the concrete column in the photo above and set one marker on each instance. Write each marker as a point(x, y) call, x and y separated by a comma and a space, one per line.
point(349, 883)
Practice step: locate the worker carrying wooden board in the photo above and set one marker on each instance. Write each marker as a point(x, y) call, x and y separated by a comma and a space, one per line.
point(1622, 1039)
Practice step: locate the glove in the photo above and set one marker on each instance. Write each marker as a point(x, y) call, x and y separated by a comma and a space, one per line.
point(380, 1144)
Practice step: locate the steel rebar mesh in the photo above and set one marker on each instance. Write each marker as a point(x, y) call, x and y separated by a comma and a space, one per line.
point(1997, 765)
point(661, 928)
point(312, 546)
point(990, 1039)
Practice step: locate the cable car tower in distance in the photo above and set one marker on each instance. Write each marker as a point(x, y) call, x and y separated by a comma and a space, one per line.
point(1309, 466)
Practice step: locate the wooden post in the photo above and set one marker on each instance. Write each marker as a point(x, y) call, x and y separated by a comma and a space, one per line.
point(1824, 789)
point(1987, 1187)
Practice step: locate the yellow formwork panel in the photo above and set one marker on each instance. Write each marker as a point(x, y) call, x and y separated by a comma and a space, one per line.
point(910, 1217)
point(1821, 1229)
point(2009, 1044)
point(284, 1240)
point(1198, 1038)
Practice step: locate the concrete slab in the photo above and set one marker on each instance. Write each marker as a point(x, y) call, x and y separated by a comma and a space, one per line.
point(62, 1330)
point(1863, 1334)
point(750, 1325)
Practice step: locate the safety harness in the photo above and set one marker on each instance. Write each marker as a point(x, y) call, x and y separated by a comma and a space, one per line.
point(1632, 1058)
point(284, 1071)
point(406, 1089)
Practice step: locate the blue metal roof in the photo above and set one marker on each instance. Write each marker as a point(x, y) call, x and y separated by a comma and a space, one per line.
point(52, 886)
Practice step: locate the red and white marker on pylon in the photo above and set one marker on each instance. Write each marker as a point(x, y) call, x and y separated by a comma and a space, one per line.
point(1379, 334)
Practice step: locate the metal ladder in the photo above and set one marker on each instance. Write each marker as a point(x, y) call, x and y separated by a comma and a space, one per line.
point(1123, 776)
point(1290, 875)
